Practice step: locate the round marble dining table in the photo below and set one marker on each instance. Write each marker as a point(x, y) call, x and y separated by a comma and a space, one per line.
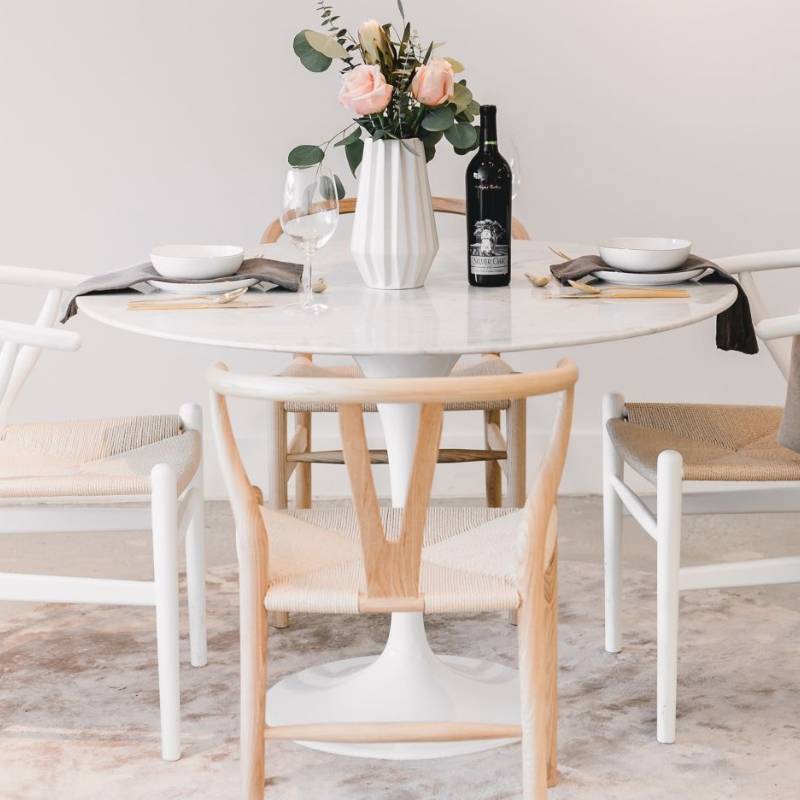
point(413, 332)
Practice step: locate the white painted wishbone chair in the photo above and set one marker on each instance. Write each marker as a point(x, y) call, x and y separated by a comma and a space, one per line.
point(670, 443)
point(122, 474)
point(390, 570)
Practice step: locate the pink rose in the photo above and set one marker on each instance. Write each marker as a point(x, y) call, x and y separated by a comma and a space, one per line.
point(365, 90)
point(433, 83)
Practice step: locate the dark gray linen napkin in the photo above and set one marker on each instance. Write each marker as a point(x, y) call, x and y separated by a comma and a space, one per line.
point(789, 432)
point(270, 274)
point(735, 329)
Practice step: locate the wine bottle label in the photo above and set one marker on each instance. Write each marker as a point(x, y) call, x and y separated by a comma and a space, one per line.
point(487, 256)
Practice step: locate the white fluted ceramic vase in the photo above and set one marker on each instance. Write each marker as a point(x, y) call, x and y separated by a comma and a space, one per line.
point(394, 232)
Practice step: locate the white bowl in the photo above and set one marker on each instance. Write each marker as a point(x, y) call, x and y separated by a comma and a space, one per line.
point(196, 261)
point(643, 254)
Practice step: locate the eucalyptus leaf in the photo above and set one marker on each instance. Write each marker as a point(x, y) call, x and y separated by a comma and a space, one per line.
point(473, 108)
point(340, 191)
point(349, 139)
point(430, 136)
point(462, 97)
point(462, 135)
point(305, 155)
point(439, 119)
point(327, 187)
point(455, 64)
point(325, 44)
point(430, 148)
point(309, 57)
point(354, 152)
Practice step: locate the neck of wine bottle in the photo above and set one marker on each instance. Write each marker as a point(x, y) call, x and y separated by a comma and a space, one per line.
point(488, 129)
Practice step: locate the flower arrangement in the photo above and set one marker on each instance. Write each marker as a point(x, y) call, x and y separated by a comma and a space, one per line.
point(393, 87)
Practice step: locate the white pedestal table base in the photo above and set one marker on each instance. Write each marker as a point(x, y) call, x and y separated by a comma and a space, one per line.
point(407, 681)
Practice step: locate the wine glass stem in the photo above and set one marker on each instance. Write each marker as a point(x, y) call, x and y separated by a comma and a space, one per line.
point(308, 292)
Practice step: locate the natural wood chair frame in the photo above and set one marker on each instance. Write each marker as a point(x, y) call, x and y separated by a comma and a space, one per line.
point(665, 525)
point(502, 454)
point(392, 568)
point(166, 512)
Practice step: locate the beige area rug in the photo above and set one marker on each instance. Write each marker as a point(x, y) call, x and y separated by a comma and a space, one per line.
point(78, 706)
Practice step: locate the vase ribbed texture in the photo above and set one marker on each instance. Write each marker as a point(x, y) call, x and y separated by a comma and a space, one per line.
point(394, 237)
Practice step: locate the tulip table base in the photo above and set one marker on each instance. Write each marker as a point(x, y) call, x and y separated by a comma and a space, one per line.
point(407, 681)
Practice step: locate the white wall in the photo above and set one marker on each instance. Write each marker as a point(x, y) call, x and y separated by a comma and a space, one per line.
point(130, 123)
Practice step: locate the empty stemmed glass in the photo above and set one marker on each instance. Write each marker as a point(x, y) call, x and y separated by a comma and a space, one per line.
point(309, 218)
point(512, 156)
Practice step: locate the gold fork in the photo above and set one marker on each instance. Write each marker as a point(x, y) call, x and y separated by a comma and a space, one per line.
point(210, 300)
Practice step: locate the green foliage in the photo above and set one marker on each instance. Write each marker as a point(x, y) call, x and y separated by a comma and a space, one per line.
point(462, 136)
point(354, 152)
point(349, 139)
point(306, 155)
point(310, 58)
point(399, 53)
point(439, 119)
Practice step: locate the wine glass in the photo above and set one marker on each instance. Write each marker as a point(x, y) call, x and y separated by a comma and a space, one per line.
point(516, 167)
point(309, 217)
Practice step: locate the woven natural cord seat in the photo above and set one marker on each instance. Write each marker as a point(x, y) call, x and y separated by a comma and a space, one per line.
point(717, 442)
point(366, 559)
point(86, 458)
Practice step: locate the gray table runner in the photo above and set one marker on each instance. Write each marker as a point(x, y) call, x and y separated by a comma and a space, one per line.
point(269, 274)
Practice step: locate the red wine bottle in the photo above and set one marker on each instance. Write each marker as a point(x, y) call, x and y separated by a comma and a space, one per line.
point(488, 209)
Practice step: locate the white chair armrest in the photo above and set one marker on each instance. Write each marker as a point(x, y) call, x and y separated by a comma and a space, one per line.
point(43, 278)
point(756, 262)
point(778, 327)
point(39, 336)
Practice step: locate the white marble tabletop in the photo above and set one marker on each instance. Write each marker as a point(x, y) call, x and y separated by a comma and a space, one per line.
point(446, 316)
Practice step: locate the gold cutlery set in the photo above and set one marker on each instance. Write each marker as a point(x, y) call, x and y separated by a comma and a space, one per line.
point(585, 291)
point(218, 301)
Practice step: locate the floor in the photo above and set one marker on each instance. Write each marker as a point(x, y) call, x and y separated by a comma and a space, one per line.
point(738, 707)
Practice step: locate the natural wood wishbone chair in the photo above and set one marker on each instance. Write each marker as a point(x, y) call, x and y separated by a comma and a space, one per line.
point(381, 570)
point(503, 453)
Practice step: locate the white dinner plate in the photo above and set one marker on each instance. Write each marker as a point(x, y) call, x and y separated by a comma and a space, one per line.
point(647, 279)
point(215, 287)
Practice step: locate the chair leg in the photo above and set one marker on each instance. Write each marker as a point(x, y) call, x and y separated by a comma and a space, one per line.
point(516, 444)
point(613, 407)
point(551, 671)
point(302, 472)
point(494, 475)
point(164, 504)
point(253, 642)
point(668, 529)
point(534, 710)
point(277, 446)
point(278, 490)
point(195, 548)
